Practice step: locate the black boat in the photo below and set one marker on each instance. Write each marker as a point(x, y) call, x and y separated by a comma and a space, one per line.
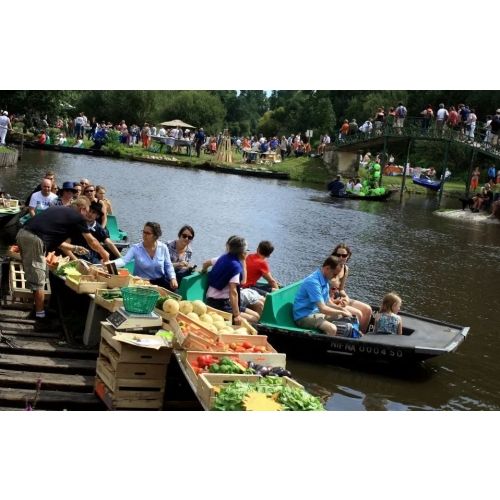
point(374, 197)
point(422, 338)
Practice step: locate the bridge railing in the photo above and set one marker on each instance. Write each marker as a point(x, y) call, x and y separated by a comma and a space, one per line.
point(418, 128)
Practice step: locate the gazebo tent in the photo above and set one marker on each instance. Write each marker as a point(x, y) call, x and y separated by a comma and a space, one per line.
point(176, 123)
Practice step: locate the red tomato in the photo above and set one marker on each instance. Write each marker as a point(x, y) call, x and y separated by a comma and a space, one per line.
point(247, 345)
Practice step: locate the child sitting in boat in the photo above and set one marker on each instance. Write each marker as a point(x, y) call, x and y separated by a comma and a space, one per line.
point(387, 320)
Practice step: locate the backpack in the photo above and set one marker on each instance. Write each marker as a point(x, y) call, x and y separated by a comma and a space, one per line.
point(401, 112)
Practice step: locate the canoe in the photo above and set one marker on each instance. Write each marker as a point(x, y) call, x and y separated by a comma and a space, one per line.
point(427, 183)
point(352, 196)
point(422, 338)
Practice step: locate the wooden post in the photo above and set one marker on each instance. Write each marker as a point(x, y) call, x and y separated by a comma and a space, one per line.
point(21, 149)
point(469, 176)
point(403, 184)
point(385, 158)
point(445, 167)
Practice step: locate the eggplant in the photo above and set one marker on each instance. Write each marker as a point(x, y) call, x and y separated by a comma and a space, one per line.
point(263, 371)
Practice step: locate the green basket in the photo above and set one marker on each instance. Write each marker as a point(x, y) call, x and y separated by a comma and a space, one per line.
point(139, 300)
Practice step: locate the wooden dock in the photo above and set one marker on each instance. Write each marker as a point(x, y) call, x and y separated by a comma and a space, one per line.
point(29, 358)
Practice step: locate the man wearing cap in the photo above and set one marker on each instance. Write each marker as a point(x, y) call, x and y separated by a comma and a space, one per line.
point(4, 126)
point(99, 233)
point(46, 232)
point(495, 128)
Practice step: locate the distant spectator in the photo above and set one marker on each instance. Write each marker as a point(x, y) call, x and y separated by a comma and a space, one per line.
point(4, 126)
point(400, 114)
point(353, 127)
point(495, 128)
point(344, 130)
point(379, 120)
point(474, 180)
point(453, 119)
point(199, 138)
point(366, 128)
point(145, 135)
point(492, 174)
point(441, 118)
point(428, 115)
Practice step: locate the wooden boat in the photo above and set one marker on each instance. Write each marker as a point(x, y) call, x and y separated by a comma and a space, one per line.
point(427, 183)
point(422, 337)
point(353, 196)
point(66, 149)
point(6, 214)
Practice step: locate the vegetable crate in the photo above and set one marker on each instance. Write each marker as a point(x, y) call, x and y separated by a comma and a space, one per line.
point(110, 304)
point(267, 359)
point(209, 385)
point(85, 283)
point(17, 283)
point(255, 340)
point(130, 377)
point(191, 334)
point(111, 280)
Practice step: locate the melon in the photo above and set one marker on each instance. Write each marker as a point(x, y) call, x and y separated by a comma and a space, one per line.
point(220, 325)
point(241, 331)
point(185, 307)
point(206, 318)
point(170, 308)
point(199, 307)
point(216, 317)
point(226, 329)
point(210, 326)
point(193, 316)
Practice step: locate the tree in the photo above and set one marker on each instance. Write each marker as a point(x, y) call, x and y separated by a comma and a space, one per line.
point(198, 108)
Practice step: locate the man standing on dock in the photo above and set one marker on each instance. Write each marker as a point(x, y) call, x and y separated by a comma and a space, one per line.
point(4, 126)
point(45, 233)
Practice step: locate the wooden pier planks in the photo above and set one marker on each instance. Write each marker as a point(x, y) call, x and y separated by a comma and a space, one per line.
point(67, 373)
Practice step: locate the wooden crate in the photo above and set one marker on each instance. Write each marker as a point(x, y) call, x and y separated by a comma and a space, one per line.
point(17, 283)
point(266, 359)
point(110, 305)
point(255, 340)
point(111, 280)
point(85, 283)
point(191, 334)
point(128, 353)
point(209, 383)
point(131, 398)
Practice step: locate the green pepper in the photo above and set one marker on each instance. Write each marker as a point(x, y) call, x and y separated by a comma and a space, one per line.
point(214, 368)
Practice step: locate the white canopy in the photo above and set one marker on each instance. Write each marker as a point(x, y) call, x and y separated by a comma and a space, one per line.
point(176, 123)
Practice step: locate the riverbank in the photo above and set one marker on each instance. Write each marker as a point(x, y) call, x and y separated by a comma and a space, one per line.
point(303, 169)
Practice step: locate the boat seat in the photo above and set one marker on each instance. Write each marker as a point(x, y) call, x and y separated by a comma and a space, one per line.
point(194, 286)
point(115, 233)
point(278, 308)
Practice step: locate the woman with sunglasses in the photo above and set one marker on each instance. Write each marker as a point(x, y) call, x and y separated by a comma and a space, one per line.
point(90, 192)
point(181, 252)
point(151, 258)
point(337, 287)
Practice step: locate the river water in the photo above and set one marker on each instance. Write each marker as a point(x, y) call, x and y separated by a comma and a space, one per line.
point(444, 269)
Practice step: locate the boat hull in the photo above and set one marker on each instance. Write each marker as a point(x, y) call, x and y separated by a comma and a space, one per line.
point(350, 196)
point(432, 185)
point(315, 347)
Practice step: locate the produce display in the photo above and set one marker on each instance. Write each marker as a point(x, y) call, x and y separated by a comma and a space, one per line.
point(68, 269)
point(206, 363)
point(276, 395)
point(111, 294)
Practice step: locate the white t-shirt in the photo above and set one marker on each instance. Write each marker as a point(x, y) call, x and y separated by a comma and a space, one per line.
point(4, 121)
point(224, 293)
point(357, 187)
point(326, 139)
point(441, 114)
point(45, 201)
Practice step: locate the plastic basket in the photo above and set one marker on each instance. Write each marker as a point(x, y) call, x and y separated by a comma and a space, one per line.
point(139, 300)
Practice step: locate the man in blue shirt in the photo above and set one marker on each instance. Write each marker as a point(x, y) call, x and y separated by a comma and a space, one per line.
point(312, 307)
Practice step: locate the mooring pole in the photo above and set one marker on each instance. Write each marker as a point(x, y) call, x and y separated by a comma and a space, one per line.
point(445, 167)
point(404, 172)
point(385, 158)
point(469, 176)
point(21, 149)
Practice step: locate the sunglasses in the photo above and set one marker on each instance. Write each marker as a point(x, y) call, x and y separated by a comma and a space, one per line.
point(89, 190)
point(147, 232)
point(188, 236)
point(342, 255)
